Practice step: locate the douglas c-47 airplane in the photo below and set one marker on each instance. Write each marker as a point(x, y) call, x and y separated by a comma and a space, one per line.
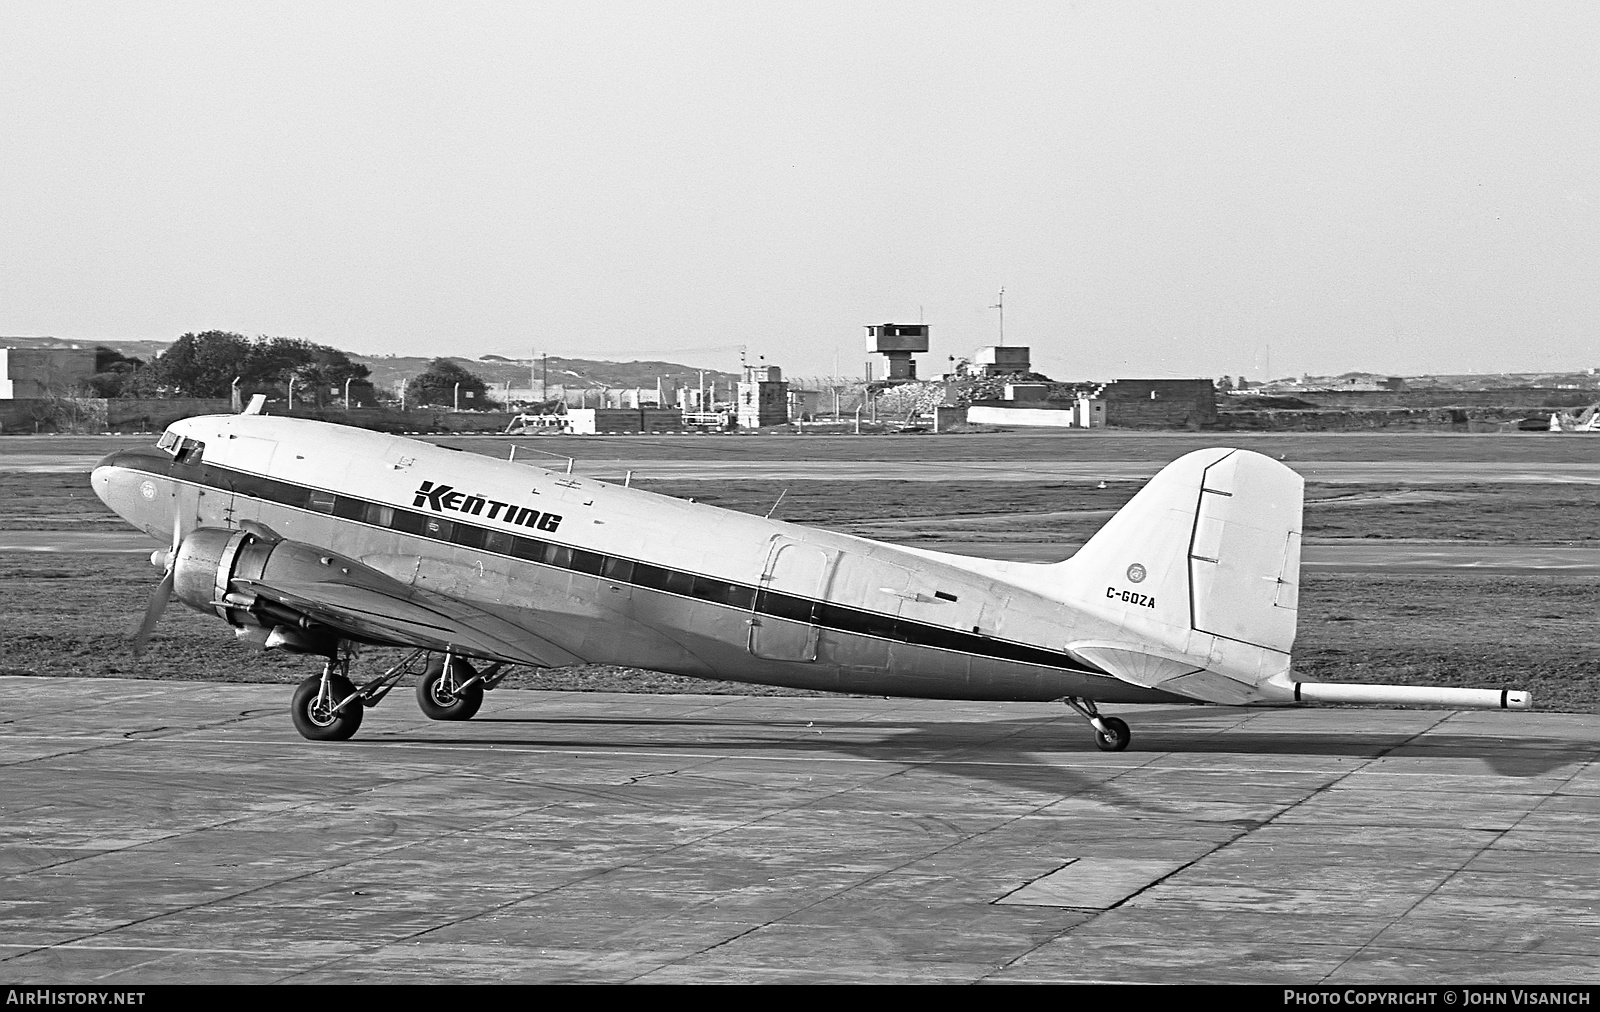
point(317, 538)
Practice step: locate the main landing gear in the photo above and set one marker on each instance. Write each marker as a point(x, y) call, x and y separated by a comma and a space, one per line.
point(450, 689)
point(1111, 734)
point(329, 707)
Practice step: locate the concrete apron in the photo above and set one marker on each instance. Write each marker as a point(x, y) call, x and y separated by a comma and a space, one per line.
point(182, 832)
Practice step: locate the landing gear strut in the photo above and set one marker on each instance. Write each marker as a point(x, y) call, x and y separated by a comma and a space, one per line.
point(1111, 734)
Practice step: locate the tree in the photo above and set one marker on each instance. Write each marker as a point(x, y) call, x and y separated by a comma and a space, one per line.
point(315, 369)
point(204, 365)
point(438, 386)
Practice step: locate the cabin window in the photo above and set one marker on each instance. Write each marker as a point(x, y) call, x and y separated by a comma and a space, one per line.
point(411, 523)
point(723, 592)
point(439, 529)
point(497, 542)
point(321, 501)
point(168, 441)
point(468, 535)
point(382, 516)
point(620, 570)
point(653, 577)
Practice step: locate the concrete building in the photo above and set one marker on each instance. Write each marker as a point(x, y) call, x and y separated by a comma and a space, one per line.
point(1160, 403)
point(43, 372)
point(763, 397)
point(897, 342)
point(805, 404)
point(998, 359)
point(600, 421)
point(1027, 392)
point(1089, 413)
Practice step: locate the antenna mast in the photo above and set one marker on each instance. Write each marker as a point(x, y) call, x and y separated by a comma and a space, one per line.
point(1001, 305)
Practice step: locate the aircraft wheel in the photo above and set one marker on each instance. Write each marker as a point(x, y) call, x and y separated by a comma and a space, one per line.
point(439, 701)
point(1119, 737)
point(314, 719)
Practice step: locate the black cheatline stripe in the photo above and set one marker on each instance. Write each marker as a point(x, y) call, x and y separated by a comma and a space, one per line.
point(744, 597)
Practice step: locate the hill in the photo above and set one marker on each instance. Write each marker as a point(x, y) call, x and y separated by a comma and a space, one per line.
point(144, 350)
point(390, 370)
point(571, 373)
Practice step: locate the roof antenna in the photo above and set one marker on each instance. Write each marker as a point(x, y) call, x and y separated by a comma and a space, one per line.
point(774, 508)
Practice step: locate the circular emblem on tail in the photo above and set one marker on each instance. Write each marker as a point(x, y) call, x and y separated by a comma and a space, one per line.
point(1136, 573)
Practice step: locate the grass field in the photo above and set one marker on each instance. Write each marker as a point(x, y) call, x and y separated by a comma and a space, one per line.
point(1100, 444)
point(69, 614)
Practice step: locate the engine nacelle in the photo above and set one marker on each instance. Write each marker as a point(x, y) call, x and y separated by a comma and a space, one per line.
point(209, 560)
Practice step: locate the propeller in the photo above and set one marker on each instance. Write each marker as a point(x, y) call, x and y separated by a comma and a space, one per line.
point(165, 560)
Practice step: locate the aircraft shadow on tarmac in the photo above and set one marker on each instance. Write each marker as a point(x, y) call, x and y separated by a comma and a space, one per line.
point(992, 748)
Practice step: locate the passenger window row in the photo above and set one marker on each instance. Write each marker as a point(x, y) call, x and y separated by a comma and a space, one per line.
point(516, 546)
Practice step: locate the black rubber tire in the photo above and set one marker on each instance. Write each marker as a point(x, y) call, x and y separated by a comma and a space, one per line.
point(1119, 737)
point(438, 703)
point(319, 726)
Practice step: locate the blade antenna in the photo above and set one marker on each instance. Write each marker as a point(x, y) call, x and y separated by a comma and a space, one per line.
point(774, 508)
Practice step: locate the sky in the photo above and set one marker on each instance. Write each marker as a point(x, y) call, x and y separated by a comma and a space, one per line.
point(1162, 189)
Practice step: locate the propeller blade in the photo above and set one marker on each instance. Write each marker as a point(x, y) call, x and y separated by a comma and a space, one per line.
point(152, 613)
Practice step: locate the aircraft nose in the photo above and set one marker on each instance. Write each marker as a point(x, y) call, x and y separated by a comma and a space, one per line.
point(127, 491)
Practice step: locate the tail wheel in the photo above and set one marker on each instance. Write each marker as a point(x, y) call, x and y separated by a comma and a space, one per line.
point(1117, 739)
point(313, 713)
point(440, 695)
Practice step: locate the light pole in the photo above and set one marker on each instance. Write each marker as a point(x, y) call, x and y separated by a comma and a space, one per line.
point(347, 392)
point(456, 406)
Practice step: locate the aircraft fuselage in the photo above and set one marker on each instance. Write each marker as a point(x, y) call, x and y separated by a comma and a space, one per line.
point(615, 575)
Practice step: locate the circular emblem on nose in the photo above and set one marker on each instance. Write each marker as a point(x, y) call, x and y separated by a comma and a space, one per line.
point(147, 489)
point(1136, 573)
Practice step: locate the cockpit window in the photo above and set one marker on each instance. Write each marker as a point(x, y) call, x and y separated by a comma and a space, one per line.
point(186, 450)
point(190, 451)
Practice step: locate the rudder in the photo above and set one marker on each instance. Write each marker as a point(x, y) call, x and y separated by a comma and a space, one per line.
point(1202, 565)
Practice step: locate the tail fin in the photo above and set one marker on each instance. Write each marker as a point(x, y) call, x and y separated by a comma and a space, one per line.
point(1201, 572)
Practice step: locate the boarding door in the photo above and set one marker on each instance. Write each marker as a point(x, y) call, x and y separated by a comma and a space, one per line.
point(783, 621)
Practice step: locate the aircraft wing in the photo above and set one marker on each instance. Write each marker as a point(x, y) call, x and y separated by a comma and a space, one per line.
point(407, 616)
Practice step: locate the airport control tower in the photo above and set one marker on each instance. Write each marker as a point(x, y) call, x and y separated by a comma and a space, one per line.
point(898, 342)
